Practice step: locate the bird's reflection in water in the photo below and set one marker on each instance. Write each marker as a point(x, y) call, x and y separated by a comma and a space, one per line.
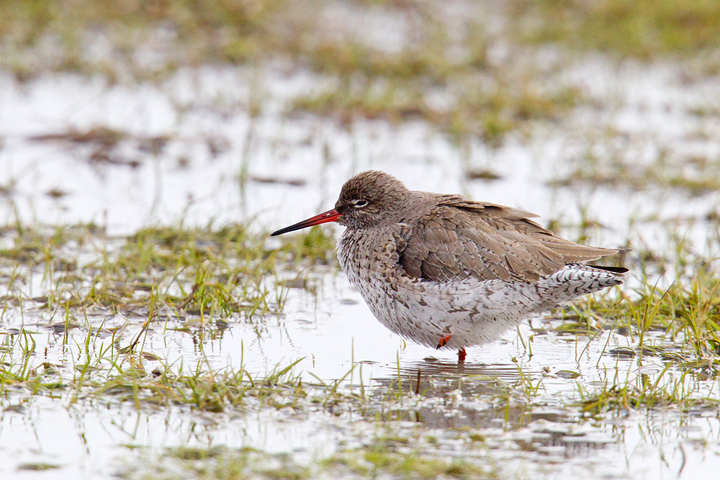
point(460, 394)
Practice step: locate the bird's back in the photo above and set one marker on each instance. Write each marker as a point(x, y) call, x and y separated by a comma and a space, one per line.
point(458, 239)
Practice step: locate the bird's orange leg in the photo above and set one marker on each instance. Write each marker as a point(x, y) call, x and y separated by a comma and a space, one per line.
point(444, 340)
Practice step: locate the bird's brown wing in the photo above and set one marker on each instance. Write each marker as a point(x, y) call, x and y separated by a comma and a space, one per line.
point(461, 239)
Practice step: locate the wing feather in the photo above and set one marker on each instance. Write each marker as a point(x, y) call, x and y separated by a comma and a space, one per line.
point(461, 239)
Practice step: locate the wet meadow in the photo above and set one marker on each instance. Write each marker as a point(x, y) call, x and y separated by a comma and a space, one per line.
point(151, 328)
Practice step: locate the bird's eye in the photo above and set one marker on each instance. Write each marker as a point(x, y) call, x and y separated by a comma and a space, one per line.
point(360, 203)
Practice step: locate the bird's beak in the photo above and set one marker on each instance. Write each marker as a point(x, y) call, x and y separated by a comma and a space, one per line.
point(325, 217)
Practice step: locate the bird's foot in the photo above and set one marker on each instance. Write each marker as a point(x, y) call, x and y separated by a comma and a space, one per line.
point(461, 355)
point(444, 340)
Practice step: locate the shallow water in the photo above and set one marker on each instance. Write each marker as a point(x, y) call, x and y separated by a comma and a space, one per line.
point(214, 163)
point(481, 398)
point(208, 141)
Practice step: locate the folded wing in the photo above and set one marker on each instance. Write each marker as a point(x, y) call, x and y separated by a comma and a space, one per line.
point(461, 239)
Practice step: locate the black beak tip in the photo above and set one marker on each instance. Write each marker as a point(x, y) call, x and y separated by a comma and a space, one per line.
point(291, 228)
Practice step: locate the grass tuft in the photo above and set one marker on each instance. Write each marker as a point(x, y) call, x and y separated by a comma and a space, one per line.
point(643, 28)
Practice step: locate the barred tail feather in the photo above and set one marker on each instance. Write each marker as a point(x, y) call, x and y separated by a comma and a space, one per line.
point(576, 280)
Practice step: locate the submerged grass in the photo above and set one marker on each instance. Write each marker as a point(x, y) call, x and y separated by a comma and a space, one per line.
point(618, 167)
point(107, 373)
point(437, 70)
point(164, 277)
point(103, 296)
point(378, 461)
point(227, 464)
point(673, 336)
point(685, 313)
point(472, 110)
point(676, 386)
point(100, 297)
point(198, 271)
point(226, 31)
point(106, 307)
point(440, 68)
point(58, 33)
point(642, 28)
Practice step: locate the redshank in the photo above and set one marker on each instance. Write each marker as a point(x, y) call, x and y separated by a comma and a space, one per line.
point(448, 272)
